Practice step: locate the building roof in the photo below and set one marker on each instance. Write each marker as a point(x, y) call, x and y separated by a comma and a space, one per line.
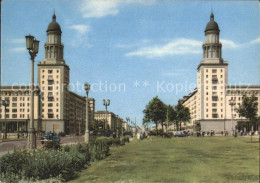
point(54, 26)
point(212, 25)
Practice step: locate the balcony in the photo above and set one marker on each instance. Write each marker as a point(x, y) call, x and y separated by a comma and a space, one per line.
point(50, 78)
point(214, 78)
point(50, 94)
point(214, 94)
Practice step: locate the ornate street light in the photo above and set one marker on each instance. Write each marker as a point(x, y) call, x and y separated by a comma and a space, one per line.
point(87, 88)
point(232, 103)
point(32, 46)
point(106, 103)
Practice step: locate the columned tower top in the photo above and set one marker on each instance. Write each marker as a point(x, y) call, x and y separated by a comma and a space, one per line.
point(53, 46)
point(212, 48)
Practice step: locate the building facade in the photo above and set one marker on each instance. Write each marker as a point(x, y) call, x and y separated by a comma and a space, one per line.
point(59, 109)
point(15, 116)
point(111, 120)
point(209, 102)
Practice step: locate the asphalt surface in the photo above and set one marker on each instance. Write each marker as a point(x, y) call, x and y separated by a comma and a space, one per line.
point(9, 146)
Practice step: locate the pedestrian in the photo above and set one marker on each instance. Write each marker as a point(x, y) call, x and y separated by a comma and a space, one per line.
point(18, 135)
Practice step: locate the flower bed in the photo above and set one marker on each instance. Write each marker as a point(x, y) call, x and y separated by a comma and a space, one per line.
point(48, 163)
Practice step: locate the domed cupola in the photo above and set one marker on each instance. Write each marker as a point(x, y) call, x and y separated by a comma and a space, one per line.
point(54, 26)
point(212, 25)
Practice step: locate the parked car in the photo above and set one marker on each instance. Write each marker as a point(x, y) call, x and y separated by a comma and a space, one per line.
point(49, 136)
point(180, 134)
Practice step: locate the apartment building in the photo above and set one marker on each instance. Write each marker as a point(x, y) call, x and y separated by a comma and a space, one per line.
point(209, 102)
point(59, 109)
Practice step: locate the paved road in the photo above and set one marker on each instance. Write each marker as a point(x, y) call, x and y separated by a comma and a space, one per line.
point(6, 147)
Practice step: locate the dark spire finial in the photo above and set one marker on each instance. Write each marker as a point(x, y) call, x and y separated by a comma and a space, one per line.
point(212, 15)
point(54, 16)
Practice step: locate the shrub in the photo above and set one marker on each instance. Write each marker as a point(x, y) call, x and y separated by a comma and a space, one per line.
point(53, 161)
point(51, 145)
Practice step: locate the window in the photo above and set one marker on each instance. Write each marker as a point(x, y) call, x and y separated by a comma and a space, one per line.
point(207, 110)
point(14, 110)
point(50, 87)
point(57, 71)
point(214, 70)
point(221, 76)
point(207, 76)
point(50, 99)
point(50, 104)
point(42, 70)
point(206, 70)
point(14, 104)
point(50, 115)
point(207, 116)
point(214, 110)
point(221, 70)
point(214, 115)
point(49, 71)
point(50, 82)
point(214, 87)
point(214, 104)
point(14, 98)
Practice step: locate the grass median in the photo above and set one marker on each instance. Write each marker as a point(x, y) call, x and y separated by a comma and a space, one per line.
point(208, 159)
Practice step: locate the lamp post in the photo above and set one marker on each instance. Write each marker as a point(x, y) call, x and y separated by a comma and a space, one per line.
point(32, 46)
point(106, 103)
point(232, 103)
point(87, 88)
point(117, 134)
point(5, 103)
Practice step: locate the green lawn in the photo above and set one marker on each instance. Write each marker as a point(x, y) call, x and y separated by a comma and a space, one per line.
point(208, 159)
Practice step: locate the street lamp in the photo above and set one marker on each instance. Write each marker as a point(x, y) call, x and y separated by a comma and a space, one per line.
point(87, 88)
point(32, 46)
point(117, 134)
point(5, 103)
point(106, 103)
point(232, 103)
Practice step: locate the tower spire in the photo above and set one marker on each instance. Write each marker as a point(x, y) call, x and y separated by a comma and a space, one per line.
point(54, 16)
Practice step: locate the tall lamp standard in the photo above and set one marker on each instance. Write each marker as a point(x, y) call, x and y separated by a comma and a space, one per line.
point(32, 46)
point(106, 103)
point(232, 103)
point(87, 88)
point(5, 103)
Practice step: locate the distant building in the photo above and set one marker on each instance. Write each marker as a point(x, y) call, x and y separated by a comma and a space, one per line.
point(112, 121)
point(209, 103)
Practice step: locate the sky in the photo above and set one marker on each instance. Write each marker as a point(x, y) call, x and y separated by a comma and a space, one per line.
point(133, 50)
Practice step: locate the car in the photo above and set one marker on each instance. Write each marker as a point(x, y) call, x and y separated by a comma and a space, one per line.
point(180, 134)
point(50, 136)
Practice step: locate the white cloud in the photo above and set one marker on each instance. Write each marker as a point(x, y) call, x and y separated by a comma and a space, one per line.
point(18, 41)
point(256, 41)
point(102, 8)
point(18, 49)
point(80, 28)
point(228, 44)
point(81, 37)
point(179, 46)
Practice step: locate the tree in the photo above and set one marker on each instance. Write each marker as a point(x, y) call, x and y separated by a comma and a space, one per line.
point(155, 112)
point(172, 115)
point(248, 109)
point(183, 115)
